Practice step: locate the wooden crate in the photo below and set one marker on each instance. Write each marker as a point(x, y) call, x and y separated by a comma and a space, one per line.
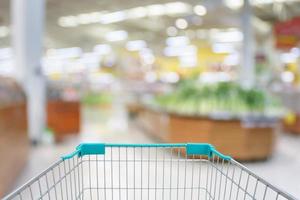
point(63, 117)
point(228, 136)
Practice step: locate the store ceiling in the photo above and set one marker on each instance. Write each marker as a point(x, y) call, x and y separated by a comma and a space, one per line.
point(153, 29)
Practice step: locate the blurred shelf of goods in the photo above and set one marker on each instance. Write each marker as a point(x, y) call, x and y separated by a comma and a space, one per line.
point(287, 87)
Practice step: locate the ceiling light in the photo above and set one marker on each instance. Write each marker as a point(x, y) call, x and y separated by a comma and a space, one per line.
point(234, 4)
point(4, 31)
point(115, 36)
point(95, 17)
point(156, 10)
point(135, 45)
point(113, 17)
point(172, 31)
point(171, 8)
point(200, 10)
point(138, 12)
point(181, 23)
point(177, 8)
point(84, 18)
point(68, 21)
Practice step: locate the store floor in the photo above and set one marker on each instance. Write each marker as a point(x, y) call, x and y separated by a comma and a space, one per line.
point(282, 169)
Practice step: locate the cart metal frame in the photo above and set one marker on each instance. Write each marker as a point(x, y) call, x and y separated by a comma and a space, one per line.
point(147, 171)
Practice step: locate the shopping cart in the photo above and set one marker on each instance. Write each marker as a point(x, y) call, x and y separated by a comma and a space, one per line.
point(147, 171)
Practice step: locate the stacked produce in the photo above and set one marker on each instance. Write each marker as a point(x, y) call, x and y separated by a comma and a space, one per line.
point(224, 99)
point(97, 99)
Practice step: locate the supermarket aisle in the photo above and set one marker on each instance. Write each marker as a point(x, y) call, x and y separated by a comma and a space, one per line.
point(281, 167)
point(285, 154)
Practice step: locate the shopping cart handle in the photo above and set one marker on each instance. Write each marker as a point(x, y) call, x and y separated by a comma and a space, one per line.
point(204, 149)
point(191, 149)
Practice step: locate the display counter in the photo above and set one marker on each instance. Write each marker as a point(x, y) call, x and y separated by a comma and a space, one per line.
point(14, 143)
point(233, 137)
point(63, 118)
point(63, 110)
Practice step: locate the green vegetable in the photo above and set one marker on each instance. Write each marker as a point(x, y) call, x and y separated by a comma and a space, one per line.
point(192, 98)
point(97, 98)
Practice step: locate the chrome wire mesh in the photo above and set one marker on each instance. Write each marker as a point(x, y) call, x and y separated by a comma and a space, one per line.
point(144, 173)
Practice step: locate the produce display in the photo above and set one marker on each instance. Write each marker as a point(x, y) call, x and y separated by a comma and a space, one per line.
point(97, 99)
point(223, 99)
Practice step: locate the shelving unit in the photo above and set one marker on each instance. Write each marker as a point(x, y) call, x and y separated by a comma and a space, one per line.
point(230, 136)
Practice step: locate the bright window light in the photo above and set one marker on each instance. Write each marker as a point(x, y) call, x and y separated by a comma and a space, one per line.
point(115, 36)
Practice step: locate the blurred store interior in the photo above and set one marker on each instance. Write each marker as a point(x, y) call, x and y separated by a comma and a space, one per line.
point(225, 72)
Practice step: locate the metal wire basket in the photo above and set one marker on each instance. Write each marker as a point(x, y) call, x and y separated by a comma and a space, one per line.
point(147, 171)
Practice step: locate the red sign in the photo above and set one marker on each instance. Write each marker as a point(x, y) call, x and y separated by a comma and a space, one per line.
point(287, 33)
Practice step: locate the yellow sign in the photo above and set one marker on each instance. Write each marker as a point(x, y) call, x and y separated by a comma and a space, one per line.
point(290, 118)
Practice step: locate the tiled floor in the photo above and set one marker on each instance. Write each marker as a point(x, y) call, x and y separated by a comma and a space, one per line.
point(282, 169)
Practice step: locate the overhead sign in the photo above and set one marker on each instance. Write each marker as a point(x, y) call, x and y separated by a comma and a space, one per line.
point(287, 33)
